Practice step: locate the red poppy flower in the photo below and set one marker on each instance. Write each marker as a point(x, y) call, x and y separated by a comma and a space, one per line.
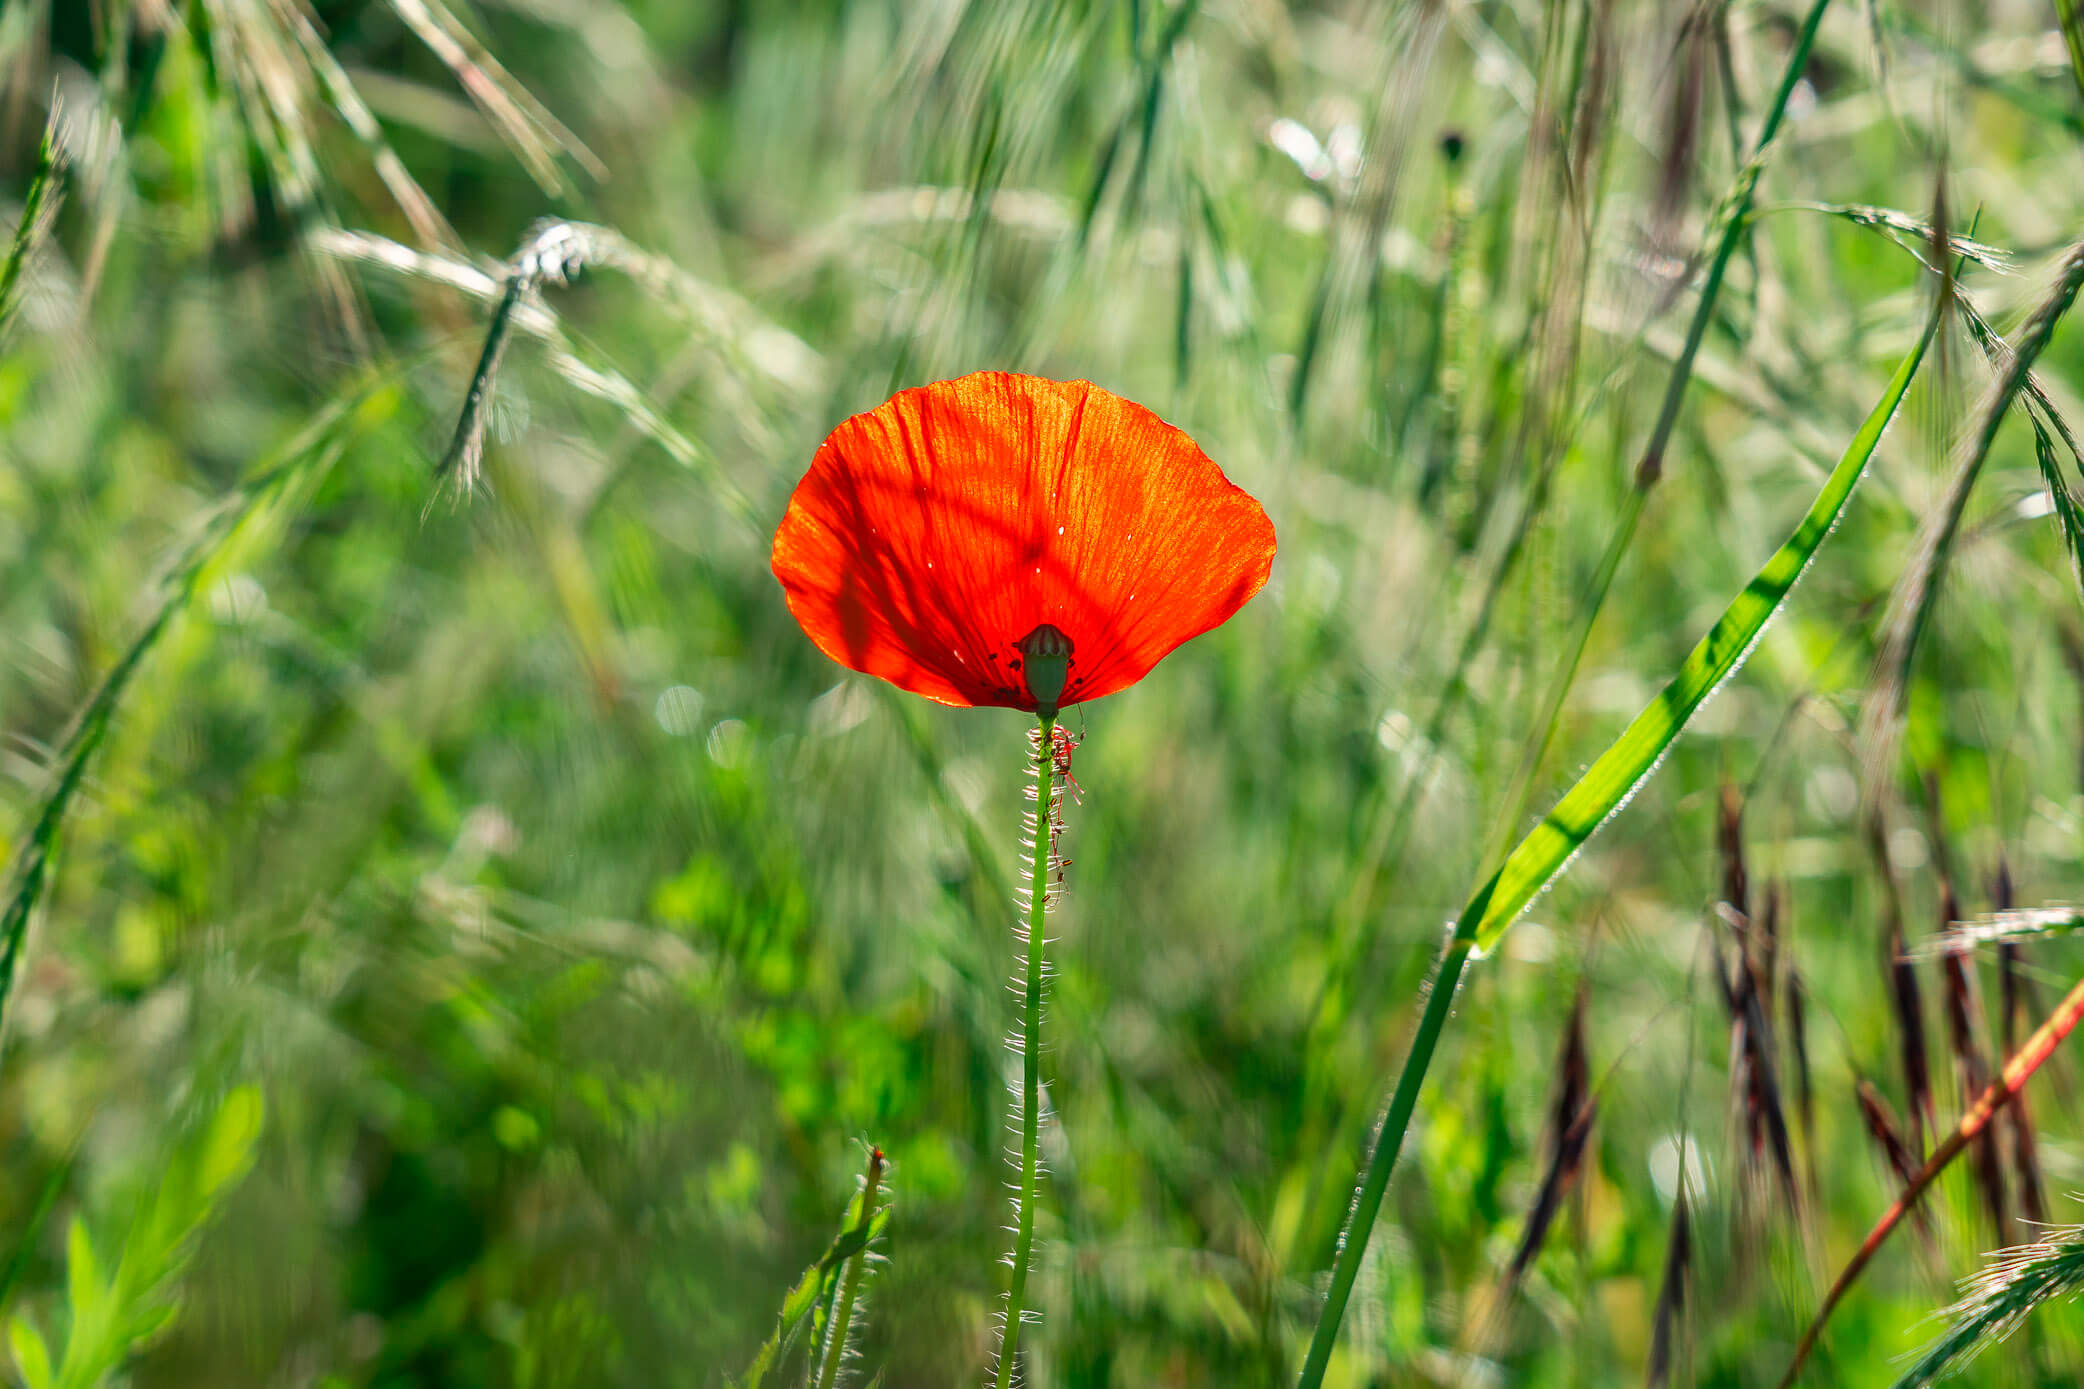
point(1008, 540)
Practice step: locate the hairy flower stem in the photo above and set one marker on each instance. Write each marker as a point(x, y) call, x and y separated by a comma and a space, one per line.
point(1389, 1139)
point(1031, 1045)
point(850, 1284)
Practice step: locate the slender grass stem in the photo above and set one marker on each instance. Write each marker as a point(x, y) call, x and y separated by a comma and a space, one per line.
point(1735, 218)
point(1031, 1046)
point(1389, 1139)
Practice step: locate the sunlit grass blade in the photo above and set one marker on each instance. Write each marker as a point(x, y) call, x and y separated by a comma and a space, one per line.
point(1548, 849)
point(1603, 790)
point(2017, 1071)
point(1916, 233)
point(2046, 421)
point(1726, 233)
point(2068, 515)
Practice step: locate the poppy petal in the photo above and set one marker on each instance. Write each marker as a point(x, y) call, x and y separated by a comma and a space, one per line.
point(935, 533)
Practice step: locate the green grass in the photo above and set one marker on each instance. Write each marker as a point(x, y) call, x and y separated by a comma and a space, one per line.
point(579, 923)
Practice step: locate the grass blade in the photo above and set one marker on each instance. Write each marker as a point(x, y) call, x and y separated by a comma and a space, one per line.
point(2068, 514)
point(2008, 925)
point(1913, 233)
point(2071, 18)
point(1542, 856)
point(38, 208)
point(1995, 1301)
point(1623, 767)
point(535, 135)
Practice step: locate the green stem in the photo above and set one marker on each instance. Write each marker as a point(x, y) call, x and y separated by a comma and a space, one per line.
point(1360, 1222)
point(1031, 1048)
point(1735, 217)
point(850, 1284)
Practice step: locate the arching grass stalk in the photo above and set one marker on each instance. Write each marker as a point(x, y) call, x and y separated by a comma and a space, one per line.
point(1042, 865)
point(1540, 858)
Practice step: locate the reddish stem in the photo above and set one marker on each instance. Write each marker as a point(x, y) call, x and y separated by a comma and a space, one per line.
point(2039, 1047)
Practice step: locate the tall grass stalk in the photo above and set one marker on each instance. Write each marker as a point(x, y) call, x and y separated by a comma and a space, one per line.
point(1910, 605)
point(2071, 19)
point(1731, 224)
point(1548, 849)
point(1041, 867)
point(1483, 916)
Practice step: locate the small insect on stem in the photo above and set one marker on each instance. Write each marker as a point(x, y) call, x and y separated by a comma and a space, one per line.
point(1062, 743)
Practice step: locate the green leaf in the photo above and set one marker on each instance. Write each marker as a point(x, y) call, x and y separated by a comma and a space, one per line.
point(148, 1322)
point(795, 1316)
point(83, 1274)
point(1541, 857)
point(228, 1151)
point(120, 1302)
point(31, 1357)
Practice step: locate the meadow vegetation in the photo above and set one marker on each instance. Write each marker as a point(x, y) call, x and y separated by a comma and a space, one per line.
point(457, 930)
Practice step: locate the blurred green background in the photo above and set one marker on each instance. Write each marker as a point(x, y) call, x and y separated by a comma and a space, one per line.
point(502, 877)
